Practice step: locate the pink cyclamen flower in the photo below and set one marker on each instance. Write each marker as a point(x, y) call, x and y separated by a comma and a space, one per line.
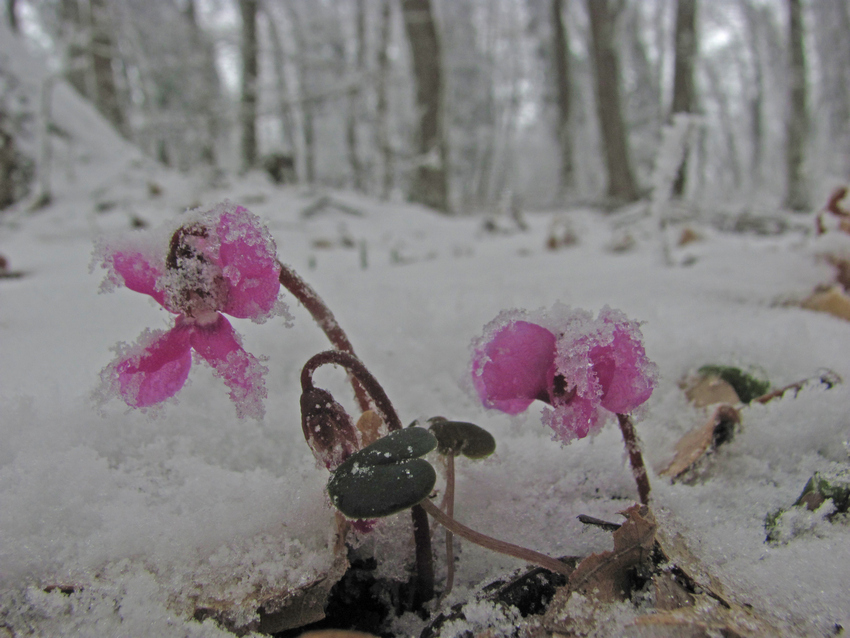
point(214, 262)
point(584, 368)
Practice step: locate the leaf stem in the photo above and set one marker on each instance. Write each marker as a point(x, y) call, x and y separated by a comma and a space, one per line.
point(494, 544)
point(635, 457)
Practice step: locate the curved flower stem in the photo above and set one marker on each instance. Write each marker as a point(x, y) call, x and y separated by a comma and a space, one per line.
point(360, 374)
point(635, 457)
point(488, 542)
point(325, 319)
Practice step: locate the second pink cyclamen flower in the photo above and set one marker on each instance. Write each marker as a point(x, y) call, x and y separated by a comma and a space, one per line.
point(584, 368)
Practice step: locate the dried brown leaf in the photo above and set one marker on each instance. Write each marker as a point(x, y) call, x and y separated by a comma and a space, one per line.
point(833, 300)
point(709, 390)
point(606, 575)
point(699, 441)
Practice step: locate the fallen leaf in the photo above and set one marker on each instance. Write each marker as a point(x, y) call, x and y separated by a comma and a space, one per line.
point(833, 300)
point(699, 441)
point(709, 390)
point(688, 236)
point(607, 576)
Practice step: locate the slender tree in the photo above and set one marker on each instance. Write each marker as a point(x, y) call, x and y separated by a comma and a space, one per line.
point(354, 97)
point(429, 184)
point(250, 68)
point(796, 125)
point(621, 181)
point(684, 100)
point(561, 51)
point(103, 55)
point(382, 118)
point(11, 15)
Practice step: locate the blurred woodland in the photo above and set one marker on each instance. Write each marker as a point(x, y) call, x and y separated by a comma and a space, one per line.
point(461, 105)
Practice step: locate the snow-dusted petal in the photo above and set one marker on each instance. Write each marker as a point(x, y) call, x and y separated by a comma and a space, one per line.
point(218, 344)
point(619, 360)
point(574, 419)
point(248, 259)
point(514, 367)
point(136, 272)
point(155, 369)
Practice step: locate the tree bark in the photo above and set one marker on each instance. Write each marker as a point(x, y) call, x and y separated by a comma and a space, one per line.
point(430, 184)
point(382, 123)
point(561, 48)
point(250, 67)
point(683, 75)
point(357, 173)
point(796, 195)
point(102, 54)
point(287, 121)
point(621, 182)
point(12, 16)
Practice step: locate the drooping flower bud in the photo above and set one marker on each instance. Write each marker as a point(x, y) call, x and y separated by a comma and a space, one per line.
point(328, 428)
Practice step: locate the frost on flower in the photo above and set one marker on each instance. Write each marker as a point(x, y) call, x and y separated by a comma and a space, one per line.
point(584, 368)
point(219, 261)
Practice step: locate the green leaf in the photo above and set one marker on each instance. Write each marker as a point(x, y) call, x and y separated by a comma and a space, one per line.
point(385, 477)
point(459, 437)
point(746, 385)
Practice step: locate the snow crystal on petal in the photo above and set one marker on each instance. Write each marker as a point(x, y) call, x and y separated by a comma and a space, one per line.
point(148, 372)
point(219, 345)
point(512, 364)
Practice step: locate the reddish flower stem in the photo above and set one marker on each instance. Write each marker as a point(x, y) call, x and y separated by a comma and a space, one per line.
point(325, 319)
point(359, 373)
point(635, 457)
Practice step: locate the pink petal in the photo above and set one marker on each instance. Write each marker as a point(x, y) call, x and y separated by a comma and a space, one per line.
point(137, 272)
point(155, 371)
point(242, 372)
point(514, 367)
point(249, 261)
point(626, 375)
point(575, 419)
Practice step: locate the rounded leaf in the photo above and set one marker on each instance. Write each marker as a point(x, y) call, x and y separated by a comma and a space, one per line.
point(372, 491)
point(459, 437)
point(409, 443)
point(385, 477)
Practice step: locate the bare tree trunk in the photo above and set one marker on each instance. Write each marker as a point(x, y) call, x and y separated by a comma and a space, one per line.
point(103, 53)
point(621, 182)
point(210, 85)
point(430, 184)
point(354, 99)
point(561, 50)
point(287, 122)
point(683, 75)
point(382, 123)
point(248, 103)
point(12, 16)
point(796, 195)
point(308, 102)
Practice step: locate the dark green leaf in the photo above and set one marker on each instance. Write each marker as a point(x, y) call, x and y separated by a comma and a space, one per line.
point(459, 437)
point(746, 385)
point(373, 491)
point(385, 477)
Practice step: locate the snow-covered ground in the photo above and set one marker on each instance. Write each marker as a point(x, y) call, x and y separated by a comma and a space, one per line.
point(117, 523)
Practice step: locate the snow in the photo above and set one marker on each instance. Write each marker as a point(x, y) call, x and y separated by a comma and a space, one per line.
point(146, 518)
